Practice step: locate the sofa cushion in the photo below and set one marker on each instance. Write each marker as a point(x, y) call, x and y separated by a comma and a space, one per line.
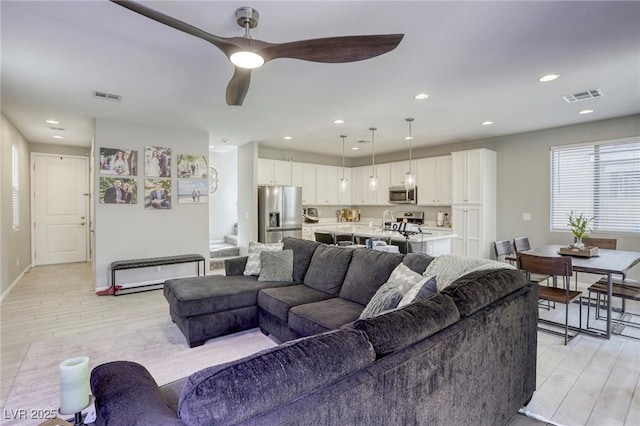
point(328, 268)
point(235, 392)
point(252, 266)
point(480, 288)
point(387, 297)
point(278, 301)
point(397, 329)
point(318, 317)
point(276, 265)
point(417, 262)
point(214, 293)
point(302, 253)
point(369, 269)
point(124, 387)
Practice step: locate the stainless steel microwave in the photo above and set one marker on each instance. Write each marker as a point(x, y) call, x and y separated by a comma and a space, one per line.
point(402, 195)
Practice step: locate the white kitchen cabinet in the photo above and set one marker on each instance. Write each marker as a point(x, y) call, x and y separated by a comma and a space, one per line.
point(274, 172)
point(467, 225)
point(344, 198)
point(384, 181)
point(326, 185)
point(360, 194)
point(434, 180)
point(474, 202)
point(304, 175)
point(398, 171)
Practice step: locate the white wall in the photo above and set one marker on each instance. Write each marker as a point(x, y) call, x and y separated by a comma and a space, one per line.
point(223, 204)
point(129, 231)
point(247, 195)
point(15, 246)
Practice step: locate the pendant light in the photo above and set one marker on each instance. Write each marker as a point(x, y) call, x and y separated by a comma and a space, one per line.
point(344, 182)
point(410, 178)
point(373, 179)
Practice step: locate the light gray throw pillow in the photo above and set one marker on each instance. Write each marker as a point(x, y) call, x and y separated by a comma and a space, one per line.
point(253, 259)
point(387, 297)
point(276, 265)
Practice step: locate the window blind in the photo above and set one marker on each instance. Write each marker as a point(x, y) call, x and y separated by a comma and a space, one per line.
point(601, 180)
point(15, 186)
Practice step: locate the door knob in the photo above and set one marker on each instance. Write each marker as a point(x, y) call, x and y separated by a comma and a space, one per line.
point(82, 223)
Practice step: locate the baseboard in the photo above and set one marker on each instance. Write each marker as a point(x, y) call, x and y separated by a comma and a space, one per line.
point(13, 284)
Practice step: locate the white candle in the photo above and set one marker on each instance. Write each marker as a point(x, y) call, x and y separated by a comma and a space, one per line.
point(74, 385)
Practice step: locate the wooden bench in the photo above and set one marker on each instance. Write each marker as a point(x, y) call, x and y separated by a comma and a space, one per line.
point(120, 265)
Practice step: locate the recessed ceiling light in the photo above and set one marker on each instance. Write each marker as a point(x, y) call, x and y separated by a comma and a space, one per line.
point(408, 138)
point(487, 123)
point(355, 148)
point(421, 96)
point(58, 137)
point(586, 111)
point(52, 122)
point(548, 77)
point(287, 138)
point(338, 121)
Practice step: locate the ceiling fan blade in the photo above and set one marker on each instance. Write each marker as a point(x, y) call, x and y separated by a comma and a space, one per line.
point(334, 49)
point(238, 86)
point(226, 45)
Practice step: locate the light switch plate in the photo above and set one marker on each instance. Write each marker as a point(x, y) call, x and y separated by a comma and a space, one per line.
point(526, 216)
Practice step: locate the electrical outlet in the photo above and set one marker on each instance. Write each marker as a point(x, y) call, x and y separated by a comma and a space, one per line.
point(526, 216)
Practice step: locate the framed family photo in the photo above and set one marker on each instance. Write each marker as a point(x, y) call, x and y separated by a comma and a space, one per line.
point(193, 191)
point(121, 162)
point(157, 161)
point(157, 194)
point(192, 166)
point(118, 190)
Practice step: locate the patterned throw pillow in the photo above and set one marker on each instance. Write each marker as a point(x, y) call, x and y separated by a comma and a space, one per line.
point(276, 265)
point(421, 290)
point(386, 298)
point(253, 260)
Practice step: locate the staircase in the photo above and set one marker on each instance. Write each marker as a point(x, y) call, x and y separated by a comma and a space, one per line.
point(221, 251)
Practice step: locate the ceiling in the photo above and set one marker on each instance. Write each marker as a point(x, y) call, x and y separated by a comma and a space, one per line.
point(478, 61)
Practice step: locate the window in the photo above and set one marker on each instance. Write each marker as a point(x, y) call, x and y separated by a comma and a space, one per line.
point(15, 186)
point(601, 180)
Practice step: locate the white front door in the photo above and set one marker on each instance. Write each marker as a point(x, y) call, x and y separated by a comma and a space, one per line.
point(60, 209)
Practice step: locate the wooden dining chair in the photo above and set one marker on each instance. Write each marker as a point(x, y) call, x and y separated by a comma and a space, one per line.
point(324, 237)
point(603, 243)
point(554, 267)
point(504, 252)
point(521, 244)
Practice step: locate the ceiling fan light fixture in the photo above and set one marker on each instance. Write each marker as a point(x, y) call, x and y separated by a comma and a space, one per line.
point(248, 60)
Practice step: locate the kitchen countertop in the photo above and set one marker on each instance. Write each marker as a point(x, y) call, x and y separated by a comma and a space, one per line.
point(363, 230)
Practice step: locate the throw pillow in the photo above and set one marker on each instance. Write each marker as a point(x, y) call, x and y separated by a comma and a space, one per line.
point(253, 260)
point(386, 298)
point(276, 265)
point(423, 289)
point(448, 268)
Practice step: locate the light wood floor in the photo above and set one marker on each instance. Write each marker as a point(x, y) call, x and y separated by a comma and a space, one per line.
point(591, 381)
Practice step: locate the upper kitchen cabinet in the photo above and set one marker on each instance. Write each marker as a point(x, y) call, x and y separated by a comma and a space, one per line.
point(434, 181)
point(384, 182)
point(360, 194)
point(326, 185)
point(304, 175)
point(398, 171)
point(274, 172)
point(474, 176)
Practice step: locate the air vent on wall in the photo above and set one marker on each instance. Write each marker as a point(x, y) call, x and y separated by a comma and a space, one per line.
point(583, 96)
point(107, 96)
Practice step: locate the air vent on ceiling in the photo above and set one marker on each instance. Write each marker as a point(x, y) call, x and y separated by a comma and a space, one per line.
point(583, 96)
point(59, 129)
point(107, 96)
point(363, 141)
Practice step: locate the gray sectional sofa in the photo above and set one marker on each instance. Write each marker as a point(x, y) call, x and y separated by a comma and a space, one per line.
point(466, 355)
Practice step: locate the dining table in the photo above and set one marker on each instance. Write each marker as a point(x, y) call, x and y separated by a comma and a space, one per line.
point(605, 262)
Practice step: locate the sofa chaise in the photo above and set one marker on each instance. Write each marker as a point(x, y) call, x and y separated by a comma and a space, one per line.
point(464, 355)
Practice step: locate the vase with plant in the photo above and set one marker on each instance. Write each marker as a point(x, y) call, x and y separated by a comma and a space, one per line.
point(579, 226)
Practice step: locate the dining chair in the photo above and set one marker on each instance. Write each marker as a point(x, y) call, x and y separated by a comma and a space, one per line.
point(603, 243)
point(324, 237)
point(346, 239)
point(504, 252)
point(521, 244)
point(554, 267)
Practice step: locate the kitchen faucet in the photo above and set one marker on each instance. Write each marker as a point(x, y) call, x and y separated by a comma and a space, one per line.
point(384, 216)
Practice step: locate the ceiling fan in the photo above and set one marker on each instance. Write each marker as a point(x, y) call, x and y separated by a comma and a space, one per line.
point(247, 53)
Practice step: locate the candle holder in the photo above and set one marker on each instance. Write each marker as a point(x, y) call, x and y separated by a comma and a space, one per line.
point(78, 417)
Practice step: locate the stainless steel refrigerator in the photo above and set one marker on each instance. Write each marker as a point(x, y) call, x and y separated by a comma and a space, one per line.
point(279, 213)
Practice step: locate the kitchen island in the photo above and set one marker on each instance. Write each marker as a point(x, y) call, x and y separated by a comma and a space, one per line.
point(433, 242)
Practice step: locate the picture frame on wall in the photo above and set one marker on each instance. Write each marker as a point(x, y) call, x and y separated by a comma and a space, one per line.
point(157, 161)
point(157, 194)
point(193, 166)
point(118, 190)
point(116, 161)
point(193, 191)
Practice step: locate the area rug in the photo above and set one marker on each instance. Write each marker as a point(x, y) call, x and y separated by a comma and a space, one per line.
point(162, 350)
